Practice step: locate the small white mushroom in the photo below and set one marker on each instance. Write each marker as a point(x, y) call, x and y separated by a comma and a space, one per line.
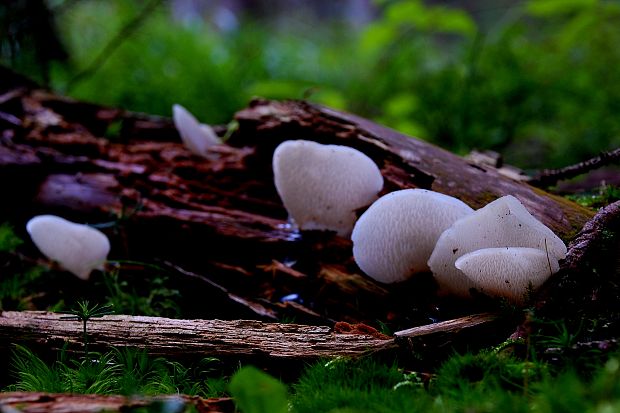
point(196, 136)
point(394, 238)
point(508, 272)
point(77, 248)
point(502, 223)
point(322, 186)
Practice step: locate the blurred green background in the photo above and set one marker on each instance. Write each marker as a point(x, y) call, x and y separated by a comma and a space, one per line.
point(538, 80)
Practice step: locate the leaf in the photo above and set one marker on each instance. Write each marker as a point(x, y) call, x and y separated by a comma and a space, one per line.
point(378, 36)
point(548, 8)
point(258, 392)
point(432, 19)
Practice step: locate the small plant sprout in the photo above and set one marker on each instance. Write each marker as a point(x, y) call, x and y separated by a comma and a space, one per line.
point(394, 238)
point(508, 272)
point(78, 248)
point(196, 136)
point(84, 312)
point(322, 186)
point(504, 222)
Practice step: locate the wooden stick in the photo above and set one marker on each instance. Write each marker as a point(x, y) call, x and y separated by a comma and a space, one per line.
point(449, 326)
point(550, 177)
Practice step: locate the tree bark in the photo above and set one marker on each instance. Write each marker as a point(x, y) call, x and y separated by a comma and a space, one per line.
point(405, 161)
point(239, 339)
point(186, 338)
point(31, 402)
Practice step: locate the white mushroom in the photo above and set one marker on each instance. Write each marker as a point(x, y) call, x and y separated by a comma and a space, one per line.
point(508, 272)
point(502, 223)
point(394, 238)
point(322, 186)
point(77, 248)
point(196, 136)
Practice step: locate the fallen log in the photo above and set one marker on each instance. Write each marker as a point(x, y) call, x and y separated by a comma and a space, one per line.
point(221, 217)
point(31, 402)
point(185, 338)
point(242, 339)
point(405, 162)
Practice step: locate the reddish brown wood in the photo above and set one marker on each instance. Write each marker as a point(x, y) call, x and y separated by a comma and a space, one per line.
point(31, 402)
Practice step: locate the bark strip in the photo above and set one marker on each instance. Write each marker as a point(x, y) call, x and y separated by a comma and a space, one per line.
point(448, 326)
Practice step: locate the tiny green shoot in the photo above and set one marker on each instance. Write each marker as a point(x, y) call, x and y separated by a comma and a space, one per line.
point(84, 312)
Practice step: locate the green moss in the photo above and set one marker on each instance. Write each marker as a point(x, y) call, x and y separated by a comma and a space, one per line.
point(576, 215)
point(8, 239)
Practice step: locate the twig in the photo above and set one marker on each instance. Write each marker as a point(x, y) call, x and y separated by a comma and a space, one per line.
point(449, 326)
point(549, 177)
point(127, 30)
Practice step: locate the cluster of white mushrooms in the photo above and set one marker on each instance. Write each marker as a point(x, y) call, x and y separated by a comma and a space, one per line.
point(500, 249)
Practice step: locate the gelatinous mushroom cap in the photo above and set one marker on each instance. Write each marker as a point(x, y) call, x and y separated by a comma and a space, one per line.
point(196, 136)
point(322, 186)
point(502, 223)
point(508, 272)
point(77, 248)
point(394, 238)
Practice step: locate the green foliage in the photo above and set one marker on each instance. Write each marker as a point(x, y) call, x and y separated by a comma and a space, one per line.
point(91, 376)
point(16, 289)
point(121, 371)
point(364, 385)
point(33, 374)
point(167, 61)
point(484, 382)
point(84, 312)
point(570, 392)
point(8, 240)
point(531, 80)
point(258, 392)
point(152, 298)
point(605, 196)
point(484, 372)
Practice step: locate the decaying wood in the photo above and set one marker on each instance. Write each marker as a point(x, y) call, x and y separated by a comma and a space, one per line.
point(588, 260)
point(448, 326)
point(590, 239)
point(215, 338)
point(219, 220)
point(405, 162)
point(34, 402)
point(186, 338)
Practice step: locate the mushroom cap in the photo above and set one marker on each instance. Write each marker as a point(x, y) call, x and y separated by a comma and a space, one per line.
point(508, 272)
point(322, 186)
point(502, 223)
point(394, 238)
point(196, 136)
point(77, 248)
